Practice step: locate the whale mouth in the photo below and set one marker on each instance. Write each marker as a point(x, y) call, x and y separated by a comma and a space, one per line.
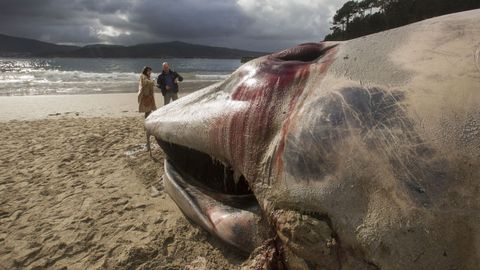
point(214, 196)
point(205, 171)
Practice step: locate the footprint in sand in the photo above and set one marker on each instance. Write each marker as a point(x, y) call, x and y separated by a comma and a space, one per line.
point(167, 246)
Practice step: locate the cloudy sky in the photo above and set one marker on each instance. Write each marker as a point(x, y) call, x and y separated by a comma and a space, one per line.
point(265, 25)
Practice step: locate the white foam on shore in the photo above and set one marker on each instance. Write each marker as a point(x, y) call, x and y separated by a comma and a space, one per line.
point(51, 82)
point(19, 77)
point(34, 82)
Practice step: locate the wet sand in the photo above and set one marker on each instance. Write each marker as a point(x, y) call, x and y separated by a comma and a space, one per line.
point(56, 106)
point(103, 105)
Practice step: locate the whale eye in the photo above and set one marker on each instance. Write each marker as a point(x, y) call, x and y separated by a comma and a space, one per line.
point(307, 52)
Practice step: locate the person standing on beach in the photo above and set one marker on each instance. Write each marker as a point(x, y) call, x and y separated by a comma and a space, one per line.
point(146, 98)
point(168, 83)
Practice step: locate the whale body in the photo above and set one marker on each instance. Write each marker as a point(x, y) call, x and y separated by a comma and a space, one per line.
point(363, 154)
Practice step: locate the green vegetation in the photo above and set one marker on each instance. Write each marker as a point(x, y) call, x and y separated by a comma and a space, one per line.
point(359, 18)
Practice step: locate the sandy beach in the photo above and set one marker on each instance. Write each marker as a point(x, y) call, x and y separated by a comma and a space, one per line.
point(79, 191)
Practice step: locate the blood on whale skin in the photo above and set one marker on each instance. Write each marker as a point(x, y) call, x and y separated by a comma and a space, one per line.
point(272, 90)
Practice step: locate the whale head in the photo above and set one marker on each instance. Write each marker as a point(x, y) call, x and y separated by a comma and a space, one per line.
point(346, 155)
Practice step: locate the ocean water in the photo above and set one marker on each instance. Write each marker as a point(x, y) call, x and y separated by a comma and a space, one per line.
point(54, 76)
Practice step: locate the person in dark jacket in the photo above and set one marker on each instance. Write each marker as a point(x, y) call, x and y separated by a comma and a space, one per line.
point(167, 81)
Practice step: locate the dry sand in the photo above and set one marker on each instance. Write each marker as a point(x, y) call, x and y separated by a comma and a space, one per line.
point(76, 193)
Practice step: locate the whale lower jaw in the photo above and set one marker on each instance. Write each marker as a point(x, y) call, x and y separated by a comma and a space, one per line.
point(234, 218)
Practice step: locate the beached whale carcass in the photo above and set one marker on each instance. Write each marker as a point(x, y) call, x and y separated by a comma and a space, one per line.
point(362, 154)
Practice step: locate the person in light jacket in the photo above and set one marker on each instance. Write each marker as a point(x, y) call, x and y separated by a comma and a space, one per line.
point(146, 97)
point(146, 94)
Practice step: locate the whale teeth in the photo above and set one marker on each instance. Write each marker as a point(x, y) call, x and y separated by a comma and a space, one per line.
point(236, 178)
point(225, 178)
point(206, 170)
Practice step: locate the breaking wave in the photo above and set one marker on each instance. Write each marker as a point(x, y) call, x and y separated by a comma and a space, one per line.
point(92, 76)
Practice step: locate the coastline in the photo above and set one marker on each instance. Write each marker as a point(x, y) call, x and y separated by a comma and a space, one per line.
point(57, 106)
point(83, 105)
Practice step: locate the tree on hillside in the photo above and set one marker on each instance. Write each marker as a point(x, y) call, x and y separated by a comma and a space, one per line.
point(345, 13)
point(368, 5)
point(357, 18)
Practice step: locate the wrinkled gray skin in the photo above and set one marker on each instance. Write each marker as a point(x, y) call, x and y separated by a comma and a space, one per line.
point(369, 158)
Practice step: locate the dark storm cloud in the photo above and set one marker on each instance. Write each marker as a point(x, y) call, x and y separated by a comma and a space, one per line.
point(190, 18)
point(249, 24)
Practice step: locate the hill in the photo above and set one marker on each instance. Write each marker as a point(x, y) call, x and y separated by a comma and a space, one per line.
point(14, 46)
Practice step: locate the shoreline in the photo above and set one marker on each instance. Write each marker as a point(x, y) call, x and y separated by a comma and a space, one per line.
point(187, 86)
point(25, 108)
point(79, 105)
